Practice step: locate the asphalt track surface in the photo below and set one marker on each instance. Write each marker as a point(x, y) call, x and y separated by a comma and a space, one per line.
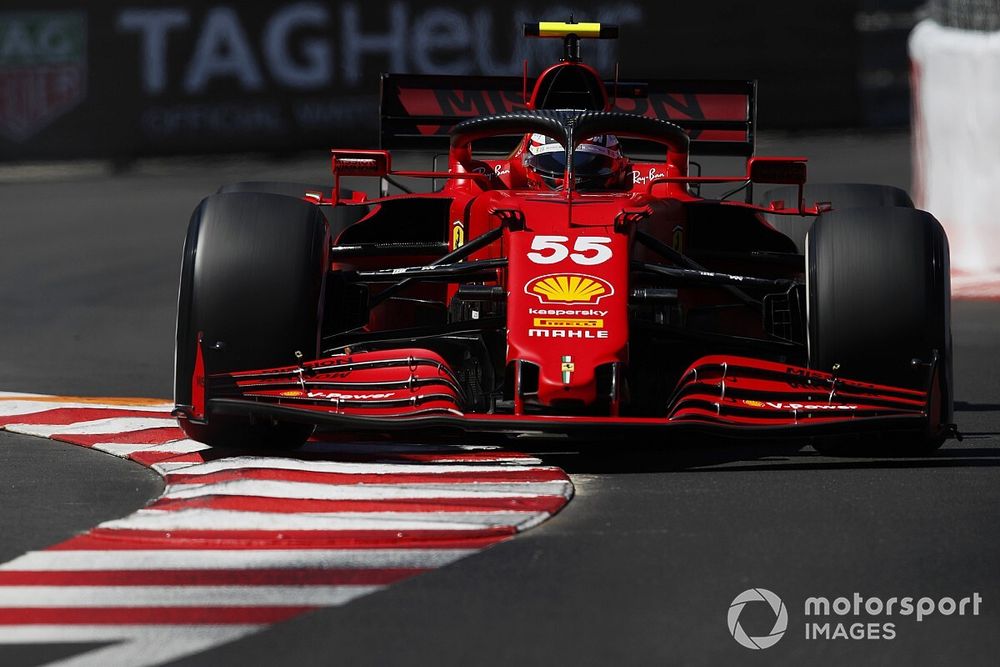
point(640, 568)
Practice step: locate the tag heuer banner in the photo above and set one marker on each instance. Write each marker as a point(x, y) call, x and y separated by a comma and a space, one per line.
point(125, 79)
point(43, 69)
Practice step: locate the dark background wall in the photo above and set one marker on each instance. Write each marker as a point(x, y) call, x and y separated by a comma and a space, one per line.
point(125, 79)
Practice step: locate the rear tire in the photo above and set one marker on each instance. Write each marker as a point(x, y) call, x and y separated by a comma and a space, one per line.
point(840, 196)
point(252, 284)
point(879, 297)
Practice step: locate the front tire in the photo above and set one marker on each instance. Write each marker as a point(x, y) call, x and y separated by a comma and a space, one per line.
point(879, 297)
point(252, 286)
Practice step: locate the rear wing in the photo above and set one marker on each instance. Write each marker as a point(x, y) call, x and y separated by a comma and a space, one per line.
point(417, 111)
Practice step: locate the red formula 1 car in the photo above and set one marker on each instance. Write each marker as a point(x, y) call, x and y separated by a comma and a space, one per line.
point(565, 285)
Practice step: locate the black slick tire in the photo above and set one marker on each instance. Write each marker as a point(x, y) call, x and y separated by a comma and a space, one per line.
point(252, 286)
point(879, 306)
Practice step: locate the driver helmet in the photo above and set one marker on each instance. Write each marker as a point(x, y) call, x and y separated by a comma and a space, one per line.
point(598, 163)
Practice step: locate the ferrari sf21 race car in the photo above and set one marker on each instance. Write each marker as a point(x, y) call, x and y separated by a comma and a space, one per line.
point(549, 283)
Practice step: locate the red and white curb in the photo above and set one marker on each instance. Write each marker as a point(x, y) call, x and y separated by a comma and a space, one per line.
point(235, 544)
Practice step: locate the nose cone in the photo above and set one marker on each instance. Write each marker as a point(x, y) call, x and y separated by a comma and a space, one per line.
point(567, 308)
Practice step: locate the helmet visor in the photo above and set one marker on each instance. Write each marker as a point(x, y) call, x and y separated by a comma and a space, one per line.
point(584, 164)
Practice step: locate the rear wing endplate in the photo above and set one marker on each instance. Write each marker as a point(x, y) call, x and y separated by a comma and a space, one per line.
point(417, 111)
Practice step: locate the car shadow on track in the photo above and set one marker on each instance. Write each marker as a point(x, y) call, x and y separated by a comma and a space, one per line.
point(976, 450)
point(963, 406)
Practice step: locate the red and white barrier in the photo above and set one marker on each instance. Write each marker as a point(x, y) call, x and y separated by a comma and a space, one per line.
point(956, 147)
point(237, 543)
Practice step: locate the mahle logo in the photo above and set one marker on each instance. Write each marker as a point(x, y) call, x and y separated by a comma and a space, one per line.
point(43, 69)
point(755, 595)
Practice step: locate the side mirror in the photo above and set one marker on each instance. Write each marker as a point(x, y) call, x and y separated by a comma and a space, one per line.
point(357, 163)
point(780, 170)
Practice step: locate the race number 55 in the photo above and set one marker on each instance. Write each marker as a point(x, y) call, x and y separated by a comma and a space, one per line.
point(587, 250)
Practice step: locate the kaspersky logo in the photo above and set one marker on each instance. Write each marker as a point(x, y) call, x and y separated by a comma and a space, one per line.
point(569, 288)
point(43, 69)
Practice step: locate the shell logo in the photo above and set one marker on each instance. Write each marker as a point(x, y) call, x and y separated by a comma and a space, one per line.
point(754, 404)
point(569, 288)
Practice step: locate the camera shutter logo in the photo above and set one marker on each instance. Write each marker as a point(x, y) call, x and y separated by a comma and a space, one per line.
point(780, 618)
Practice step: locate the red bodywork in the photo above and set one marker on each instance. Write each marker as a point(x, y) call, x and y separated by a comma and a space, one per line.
point(410, 388)
point(575, 348)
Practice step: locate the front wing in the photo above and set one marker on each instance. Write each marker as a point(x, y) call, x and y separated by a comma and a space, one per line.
point(415, 389)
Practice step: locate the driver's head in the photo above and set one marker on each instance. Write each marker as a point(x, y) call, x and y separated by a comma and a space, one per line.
point(598, 163)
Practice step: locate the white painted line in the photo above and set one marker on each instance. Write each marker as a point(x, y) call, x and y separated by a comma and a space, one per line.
point(165, 467)
point(137, 645)
point(71, 632)
point(180, 596)
point(233, 559)
point(537, 519)
point(308, 490)
point(175, 447)
point(223, 520)
point(13, 407)
point(97, 426)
